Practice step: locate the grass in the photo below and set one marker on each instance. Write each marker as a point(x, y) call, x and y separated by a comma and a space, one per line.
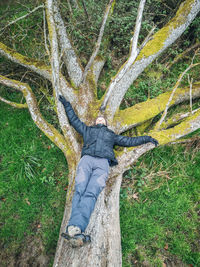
point(162, 221)
point(33, 176)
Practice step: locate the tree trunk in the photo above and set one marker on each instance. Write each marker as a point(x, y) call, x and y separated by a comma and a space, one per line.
point(104, 229)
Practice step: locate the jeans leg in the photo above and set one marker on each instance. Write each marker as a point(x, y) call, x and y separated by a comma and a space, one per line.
point(88, 200)
point(82, 178)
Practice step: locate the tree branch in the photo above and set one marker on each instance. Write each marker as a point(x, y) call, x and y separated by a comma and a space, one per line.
point(131, 59)
point(13, 104)
point(180, 56)
point(172, 94)
point(176, 119)
point(32, 64)
point(57, 138)
point(98, 43)
point(96, 68)
point(69, 56)
point(144, 111)
point(55, 65)
point(20, 18)
point(161, 40)
point(39, 68)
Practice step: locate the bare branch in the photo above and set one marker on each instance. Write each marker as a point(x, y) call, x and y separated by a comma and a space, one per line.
point(161, 40)
point(45, 34)
point(55, 65)
point(144, 111)
point(20, 18)
point(172, 94)
point(41, 123)
point(97, 67)
point(69, 56)
point(98, 43)
point(13, 104)
point(180, 56)
point(32, 64)
point(132, 57)
point(134, 40)
point(190, 83)
point(176, 119)
point(39, 68)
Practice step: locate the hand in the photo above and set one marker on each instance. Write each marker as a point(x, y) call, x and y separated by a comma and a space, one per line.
point(62, 99)
point(154, 141)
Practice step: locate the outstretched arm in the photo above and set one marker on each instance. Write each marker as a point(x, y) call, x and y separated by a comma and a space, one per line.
point(121, 140)
point(78, 125)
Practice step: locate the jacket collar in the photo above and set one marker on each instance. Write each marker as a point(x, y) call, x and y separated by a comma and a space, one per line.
point(100, 125)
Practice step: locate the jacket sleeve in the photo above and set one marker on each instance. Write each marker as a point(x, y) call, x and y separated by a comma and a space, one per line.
point(76, 123)
point(121, 140)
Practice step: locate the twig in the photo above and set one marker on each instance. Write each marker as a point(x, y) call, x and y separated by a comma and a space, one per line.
point(148, 38)
point(85, 10)
point(69, 5)
point(190, 83)
point(177, 58)
point(98, 43)
point(22, 17)
point(45, 36)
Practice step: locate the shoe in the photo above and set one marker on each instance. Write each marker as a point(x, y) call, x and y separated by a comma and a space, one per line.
point(73, 230)
point(77, 240)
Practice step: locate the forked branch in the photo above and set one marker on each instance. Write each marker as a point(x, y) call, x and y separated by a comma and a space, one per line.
point(98, 43)
point(132, 57)
point(172, 95)
point(70, 58)
point(13, 104)
point(160, 41)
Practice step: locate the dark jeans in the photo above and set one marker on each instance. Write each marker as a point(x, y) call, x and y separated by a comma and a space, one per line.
point(92, 173)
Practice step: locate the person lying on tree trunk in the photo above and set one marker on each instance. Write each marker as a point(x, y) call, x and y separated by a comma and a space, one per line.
point(93, 169)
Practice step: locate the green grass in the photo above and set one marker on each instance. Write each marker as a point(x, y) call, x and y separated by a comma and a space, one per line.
point(163, 222)
point(33, 175)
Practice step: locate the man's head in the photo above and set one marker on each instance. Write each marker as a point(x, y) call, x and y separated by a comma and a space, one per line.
point(101, 120)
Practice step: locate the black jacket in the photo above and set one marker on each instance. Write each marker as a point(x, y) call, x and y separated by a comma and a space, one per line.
point(99, 140)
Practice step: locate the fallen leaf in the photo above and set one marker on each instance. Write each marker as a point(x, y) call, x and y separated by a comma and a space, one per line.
point(135, 196)
point(49, 147)
point(166, 247)
point(27, 201)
